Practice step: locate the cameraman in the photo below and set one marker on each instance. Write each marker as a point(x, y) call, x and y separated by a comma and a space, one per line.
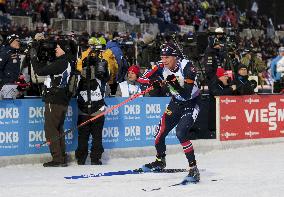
point(91, 94)
point(56, 99)
point(213, 59)
point(10, 61)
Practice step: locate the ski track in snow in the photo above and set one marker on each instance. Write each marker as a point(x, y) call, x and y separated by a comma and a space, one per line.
point(256, 171)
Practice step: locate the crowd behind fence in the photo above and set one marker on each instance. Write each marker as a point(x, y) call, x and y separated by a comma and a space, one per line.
point(67, 25)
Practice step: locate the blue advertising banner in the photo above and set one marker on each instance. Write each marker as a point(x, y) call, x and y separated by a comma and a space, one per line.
point(131, 125)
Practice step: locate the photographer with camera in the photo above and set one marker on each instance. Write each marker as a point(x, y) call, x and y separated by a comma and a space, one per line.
point(213, 58)
point(56, 98)
point(10, 62)
point(91, 93)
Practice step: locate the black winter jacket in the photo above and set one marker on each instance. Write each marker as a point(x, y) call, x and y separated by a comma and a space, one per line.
point(244, 86)
point(9, 65)
point(212, 60)
point(56, 83)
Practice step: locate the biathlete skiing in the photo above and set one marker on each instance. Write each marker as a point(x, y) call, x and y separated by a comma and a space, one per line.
point(179, 76)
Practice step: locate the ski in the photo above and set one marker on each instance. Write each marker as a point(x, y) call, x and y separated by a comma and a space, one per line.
point(182, 183)
point(126, 172)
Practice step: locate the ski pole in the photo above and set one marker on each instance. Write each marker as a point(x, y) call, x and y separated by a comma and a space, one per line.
point(96, 117)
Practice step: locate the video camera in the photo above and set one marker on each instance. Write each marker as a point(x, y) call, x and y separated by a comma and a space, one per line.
point(46, 50)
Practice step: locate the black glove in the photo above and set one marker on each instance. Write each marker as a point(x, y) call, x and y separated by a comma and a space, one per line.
point(172, 80)
point(156, 82)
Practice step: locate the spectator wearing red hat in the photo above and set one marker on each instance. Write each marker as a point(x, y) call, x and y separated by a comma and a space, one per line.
point(130, 86)
point(217, 87)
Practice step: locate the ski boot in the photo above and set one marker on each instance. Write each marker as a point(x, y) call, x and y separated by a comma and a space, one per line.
point(157, 165)
point(96, 161)
point(193, 176)
point(81, 157)
point(55, 164)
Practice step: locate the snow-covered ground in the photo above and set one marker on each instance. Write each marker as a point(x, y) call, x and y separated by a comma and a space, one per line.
point(256, 171)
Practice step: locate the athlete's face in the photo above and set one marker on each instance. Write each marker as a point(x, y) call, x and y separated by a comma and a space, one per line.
point(169, 61)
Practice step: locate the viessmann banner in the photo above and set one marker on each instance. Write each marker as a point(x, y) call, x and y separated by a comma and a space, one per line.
point(131, 125)
point(251, 117)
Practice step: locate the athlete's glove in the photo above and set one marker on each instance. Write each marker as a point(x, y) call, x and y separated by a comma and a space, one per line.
point(156, 82)
point(172, 80)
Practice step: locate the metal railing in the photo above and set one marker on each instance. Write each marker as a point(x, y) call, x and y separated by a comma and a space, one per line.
point(22, 21)
point(67, 25)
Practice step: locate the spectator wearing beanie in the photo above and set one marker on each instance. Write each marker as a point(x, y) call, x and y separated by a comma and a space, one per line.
point(130, 86)
point(243, 85)
point(10, 61)
point(221, 85)
point(218, 87)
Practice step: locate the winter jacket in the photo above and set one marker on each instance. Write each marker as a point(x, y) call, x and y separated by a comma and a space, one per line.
point(56, 83)
point(212, 60)
point(217, 88)
point(9, 65)
point(273, 66)
point(244, 86)
point(128, 88)
point(116, 50)
point(92, 86)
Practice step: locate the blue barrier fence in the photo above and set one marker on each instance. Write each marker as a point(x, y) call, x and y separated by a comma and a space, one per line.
point(132, 125)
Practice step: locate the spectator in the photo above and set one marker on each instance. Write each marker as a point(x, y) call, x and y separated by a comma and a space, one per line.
point(217, 87)
point(114, 46)
point(130, 86)
point(247, 59)
point(243, 85)
point(277, 71)
point(10, 61)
